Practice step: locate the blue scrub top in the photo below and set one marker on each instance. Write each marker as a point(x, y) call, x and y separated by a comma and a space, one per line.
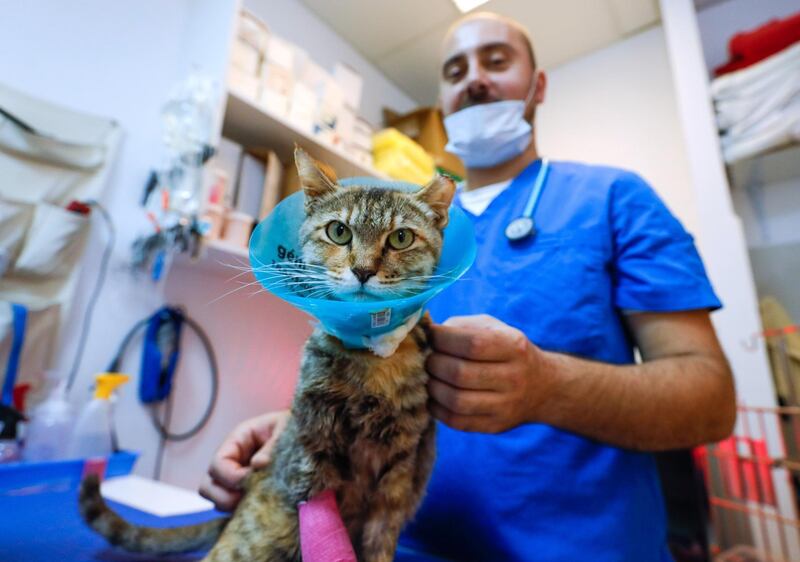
point(605, 244)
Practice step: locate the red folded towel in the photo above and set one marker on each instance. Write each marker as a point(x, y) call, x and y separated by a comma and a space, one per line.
point(749, 47)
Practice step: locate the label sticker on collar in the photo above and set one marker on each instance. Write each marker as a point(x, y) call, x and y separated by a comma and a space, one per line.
point(381, 318)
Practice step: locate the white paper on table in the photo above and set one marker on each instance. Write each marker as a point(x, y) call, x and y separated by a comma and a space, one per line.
point(156, 498)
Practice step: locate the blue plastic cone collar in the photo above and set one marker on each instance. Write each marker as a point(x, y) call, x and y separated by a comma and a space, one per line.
point(275, 240)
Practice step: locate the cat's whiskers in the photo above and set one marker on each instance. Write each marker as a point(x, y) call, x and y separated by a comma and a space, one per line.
point(286, 270)
point(295, 284)
point(319, 294)
point(294, 277)
point(289, 264)
point(229, 293)
point(277, 281)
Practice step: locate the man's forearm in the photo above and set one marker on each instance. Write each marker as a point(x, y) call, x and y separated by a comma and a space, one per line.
point(667, 403)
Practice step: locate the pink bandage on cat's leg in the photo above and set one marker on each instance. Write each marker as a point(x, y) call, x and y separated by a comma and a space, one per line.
point(323, 537)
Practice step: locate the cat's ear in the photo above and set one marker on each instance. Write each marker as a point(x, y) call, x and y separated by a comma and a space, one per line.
point(438, 195)
point(316, 178)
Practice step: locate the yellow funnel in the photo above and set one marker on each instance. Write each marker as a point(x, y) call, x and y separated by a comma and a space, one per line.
point(105, 383)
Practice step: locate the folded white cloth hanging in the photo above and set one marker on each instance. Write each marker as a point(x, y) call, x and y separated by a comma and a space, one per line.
point(759, 87)
point(778, 128)
point(737, 114)
point(749, 80)
point(758, 108)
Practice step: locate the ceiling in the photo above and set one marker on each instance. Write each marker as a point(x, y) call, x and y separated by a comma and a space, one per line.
point(402, 38)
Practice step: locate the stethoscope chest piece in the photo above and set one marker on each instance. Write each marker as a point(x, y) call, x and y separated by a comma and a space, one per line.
point(523, 227)
point(520, 228)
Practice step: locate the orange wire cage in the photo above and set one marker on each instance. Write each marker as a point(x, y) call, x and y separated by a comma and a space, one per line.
point(752, 482)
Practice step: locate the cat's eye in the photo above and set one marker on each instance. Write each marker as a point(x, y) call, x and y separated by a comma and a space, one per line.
point(401, 239)
point(339, 233)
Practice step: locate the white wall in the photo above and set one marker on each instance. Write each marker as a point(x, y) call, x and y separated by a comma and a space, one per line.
point(617, 107)
point(120, 59)
point(766, 195)
point(117, 60)
point(291, 20)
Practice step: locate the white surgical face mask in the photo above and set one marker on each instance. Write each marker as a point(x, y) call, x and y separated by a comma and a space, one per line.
point(489, 134)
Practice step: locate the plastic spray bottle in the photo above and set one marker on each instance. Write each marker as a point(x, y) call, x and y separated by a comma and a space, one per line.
point(92, 437)
point(50, 428)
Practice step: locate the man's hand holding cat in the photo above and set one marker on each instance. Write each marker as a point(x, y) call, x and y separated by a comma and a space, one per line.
point(248, 446)
point(485, 375)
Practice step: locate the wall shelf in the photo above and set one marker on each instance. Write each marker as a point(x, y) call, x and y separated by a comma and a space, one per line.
point(705, 4)
point(773, 151)
point(222, 248)
point(251, 125)
point(219, 258)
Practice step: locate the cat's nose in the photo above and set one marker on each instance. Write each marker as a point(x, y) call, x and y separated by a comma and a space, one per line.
point(362, 274)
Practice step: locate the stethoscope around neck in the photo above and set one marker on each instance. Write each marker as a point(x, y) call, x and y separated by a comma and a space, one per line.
point(523, 227)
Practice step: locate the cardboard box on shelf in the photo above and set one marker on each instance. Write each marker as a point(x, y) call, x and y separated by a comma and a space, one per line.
point(253, 31)
point(280, 52)
point(214, 215)
point(274, 102)
point(362, 134)
point(328, 112)
point(215, 184)
point(260, 182)
point(351, 84)
point(345, 125)
point(314, 76)
point(273, 180)
point(303, 107)
point(252, 173)
point(291, 180)
point(245, 85)
point(361, 156)
point(277, 84)
point(245, 57)
point(237, 228)
point(277, 78)
point(426, 127)
point(328, 99)
point(227, 158)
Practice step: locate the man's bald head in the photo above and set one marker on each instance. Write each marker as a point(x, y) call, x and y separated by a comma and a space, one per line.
point(491, 16)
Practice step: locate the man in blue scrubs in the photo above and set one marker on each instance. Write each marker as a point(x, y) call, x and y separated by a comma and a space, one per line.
point(542, 452)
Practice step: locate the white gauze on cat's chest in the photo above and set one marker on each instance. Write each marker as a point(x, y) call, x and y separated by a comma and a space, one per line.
point(386, 344)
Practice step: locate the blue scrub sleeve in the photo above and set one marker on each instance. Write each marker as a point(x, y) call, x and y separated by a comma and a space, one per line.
point(656, 266)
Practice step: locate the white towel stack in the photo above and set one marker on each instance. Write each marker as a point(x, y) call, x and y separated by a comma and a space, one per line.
point(758, 107)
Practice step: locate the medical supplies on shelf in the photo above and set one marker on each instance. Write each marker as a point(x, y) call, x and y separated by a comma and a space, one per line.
point(279, 77)
point(401, 158)
point(359, 145)
point(244, 185)
point(757, 99)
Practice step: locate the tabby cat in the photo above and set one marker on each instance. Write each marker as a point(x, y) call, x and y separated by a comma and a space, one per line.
point(360, 424)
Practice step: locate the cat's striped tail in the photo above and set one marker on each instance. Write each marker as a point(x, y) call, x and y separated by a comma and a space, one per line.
point(137, 538)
